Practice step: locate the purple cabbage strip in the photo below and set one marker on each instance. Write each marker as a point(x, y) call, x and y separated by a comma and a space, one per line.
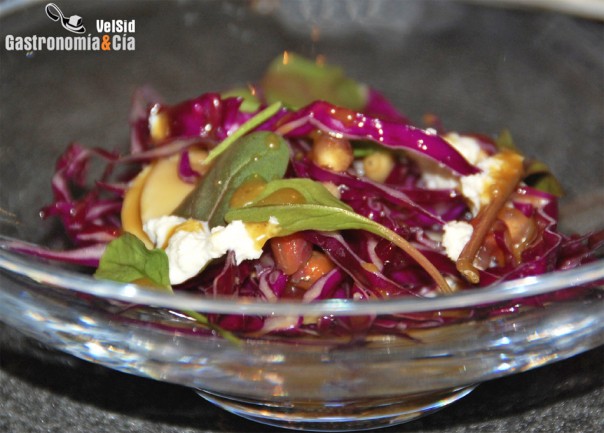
point(207, 116)
point(358, 126)
point(340, 252)
point(169, 147)
point(577, 250)
point(360, 187)
point(186, 173)
point(227, 279)
point(325, 286)
point(424, 204)
point(89, 219)
point(85, 256)
point(378, 106)
point(271, 283)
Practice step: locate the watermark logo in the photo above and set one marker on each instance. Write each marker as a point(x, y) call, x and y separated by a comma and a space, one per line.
point(73, 23)
point(112, 35)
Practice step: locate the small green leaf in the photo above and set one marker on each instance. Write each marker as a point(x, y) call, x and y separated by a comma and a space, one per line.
point(248, 126)
point(536, 173)
point(361, 149)
point(250, 102)
point(320, 210)
point(261, 154)
point(297, 81)
point(127, 259)
point(505, 141)
point(203, 320)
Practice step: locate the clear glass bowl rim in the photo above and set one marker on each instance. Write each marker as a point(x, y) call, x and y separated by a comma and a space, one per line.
point(52, 276)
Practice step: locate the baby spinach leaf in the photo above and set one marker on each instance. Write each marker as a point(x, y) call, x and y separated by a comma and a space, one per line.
point(320, 210)
point(308, 191)
point(127, 259)
point(297, 81)
point(261, 154)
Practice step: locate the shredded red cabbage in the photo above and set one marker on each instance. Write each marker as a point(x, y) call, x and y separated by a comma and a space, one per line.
point(365, 266)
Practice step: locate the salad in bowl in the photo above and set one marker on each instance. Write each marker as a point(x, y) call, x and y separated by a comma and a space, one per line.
point(305, 218)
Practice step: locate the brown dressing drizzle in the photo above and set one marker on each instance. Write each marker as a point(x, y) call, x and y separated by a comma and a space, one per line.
point(247, 192)
point(506, 180)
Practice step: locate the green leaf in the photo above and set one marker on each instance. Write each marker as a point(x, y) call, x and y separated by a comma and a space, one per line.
point(250, 102)
point(505, 141)
point(248, 126)
point(319, 210)
point(536, 173)
point(203, 320)
point(297, 81)
point(127, 259)
point(261, 154)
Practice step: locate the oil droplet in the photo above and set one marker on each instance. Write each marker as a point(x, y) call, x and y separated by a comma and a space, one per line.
point(346, 116)
point(272, 141)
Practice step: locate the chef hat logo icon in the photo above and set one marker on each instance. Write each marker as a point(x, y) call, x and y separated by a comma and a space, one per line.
point(72, 23)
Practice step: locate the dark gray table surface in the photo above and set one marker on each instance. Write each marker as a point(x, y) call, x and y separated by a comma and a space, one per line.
point(46, 391)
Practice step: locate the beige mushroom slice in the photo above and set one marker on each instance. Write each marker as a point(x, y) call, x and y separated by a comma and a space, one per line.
point(157, 191)
point(131, 209)
point(164, 190)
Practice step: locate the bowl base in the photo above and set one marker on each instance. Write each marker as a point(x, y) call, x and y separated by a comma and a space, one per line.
point(333, 416)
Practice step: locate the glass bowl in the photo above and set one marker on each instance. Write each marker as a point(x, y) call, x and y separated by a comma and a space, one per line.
point(536, 73)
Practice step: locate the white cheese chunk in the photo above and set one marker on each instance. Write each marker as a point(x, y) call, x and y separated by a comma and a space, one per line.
point(477, 187)
point(235, 237)
point(190, 244)
point(455, 237)
point(159, 230)
point(469, 147)
point(188, 253)
point(437, 176)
